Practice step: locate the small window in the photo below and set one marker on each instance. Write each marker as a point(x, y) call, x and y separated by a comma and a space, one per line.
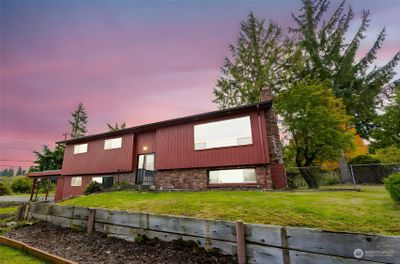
point(225, 133)
point(113, 143)
point(76, 181)
point(233, 176)
point(82, 148)
point(98, 179)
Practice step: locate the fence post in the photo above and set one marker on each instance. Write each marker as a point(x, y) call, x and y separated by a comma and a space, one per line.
point(352, 175)
point(240, 243)
point(90, 221)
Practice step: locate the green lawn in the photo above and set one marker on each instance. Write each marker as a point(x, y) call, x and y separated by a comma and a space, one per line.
point(8, 210)
point(13, 256)
point(368, 211)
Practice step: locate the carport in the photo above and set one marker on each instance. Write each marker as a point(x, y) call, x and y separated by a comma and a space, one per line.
point(40, 176)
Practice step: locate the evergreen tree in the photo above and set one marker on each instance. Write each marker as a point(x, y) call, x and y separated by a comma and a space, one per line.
point(256, 63)
point(387, 130)
point(48, 159)
point(116, 127)
point(327, 56)
point(78, 122)
point(10, 172)
point(19, 171)
point(4, 172)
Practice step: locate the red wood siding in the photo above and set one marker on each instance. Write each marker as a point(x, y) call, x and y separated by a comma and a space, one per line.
point(148, 140)
point(97, 159)
point(175, 147)
point(70, 191)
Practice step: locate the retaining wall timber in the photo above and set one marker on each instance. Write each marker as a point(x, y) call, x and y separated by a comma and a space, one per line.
point(264, 243)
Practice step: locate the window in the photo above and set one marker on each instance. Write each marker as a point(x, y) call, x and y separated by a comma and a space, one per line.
point(232, 132)
point(82, 148)
point(76, 181)
point(98, 179)
point(232, 176)
point(113, 143)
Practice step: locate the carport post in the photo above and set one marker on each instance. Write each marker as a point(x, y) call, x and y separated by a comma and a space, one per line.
point(240, 243)
point(47, 188)
point(33, 189)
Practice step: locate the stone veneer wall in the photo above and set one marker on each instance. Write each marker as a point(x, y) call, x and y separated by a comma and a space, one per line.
point(197, 179)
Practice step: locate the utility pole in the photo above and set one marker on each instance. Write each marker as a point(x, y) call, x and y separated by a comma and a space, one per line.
point(65, 136)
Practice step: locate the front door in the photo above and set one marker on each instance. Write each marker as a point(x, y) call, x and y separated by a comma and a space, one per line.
point(145, 172)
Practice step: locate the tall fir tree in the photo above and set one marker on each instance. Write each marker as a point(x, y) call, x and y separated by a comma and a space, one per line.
point(19, 171)
point(255, 63)
point(327, 55)
point(78, 122)
point(48, 159)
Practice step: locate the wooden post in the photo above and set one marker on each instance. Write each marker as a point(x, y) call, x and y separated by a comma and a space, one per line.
point(33, 189)
point(20, 213)
point(240, 243)
point(37, 189)
point(47, 188)
point(91, 220)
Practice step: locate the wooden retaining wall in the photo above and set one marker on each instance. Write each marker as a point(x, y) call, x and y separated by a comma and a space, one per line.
point(264, 243)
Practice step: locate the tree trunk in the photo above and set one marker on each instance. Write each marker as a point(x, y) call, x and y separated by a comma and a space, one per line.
point(306, 173)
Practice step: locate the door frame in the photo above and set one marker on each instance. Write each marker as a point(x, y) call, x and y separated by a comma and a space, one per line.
point(144, 162)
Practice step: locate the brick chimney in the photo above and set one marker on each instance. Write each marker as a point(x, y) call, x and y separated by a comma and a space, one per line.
point(266, 94)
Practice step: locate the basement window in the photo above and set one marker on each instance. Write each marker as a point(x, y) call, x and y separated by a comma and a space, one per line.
point(76, 181)
point(232, 176)
point(82, 148)
point(226, 133)
point(113, 143)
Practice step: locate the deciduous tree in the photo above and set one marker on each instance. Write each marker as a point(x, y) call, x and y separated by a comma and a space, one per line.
point(318, 123)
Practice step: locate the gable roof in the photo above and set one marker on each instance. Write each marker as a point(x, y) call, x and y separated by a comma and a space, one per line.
point(170, 122)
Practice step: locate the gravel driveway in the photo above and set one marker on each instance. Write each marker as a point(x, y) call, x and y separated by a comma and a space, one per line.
point(20, 198)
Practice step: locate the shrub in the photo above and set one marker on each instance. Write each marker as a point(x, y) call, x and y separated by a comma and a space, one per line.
point(93, 187)
point(21, 185)
point(392, 184)
point(4, 189)
point(388, 155)
point(364, 159)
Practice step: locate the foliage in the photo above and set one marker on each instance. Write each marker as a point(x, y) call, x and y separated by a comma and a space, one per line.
point(392, 185)
point(48, 159)
point(116, 127)
point(317, 46)
point(7, 172)
point(93, 187)
point(78, 122)
point(372, 210)
point(21, 185)
point(20, 172)
point(364, 159)
point(317, 122)
point(4, 189)
point(326, 55)
point(389, 154)
point(387, 131)
point(255, 64)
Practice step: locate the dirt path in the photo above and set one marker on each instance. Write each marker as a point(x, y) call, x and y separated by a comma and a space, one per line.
point(98, 248)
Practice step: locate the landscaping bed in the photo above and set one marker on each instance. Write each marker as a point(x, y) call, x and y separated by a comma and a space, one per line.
point(77, 246)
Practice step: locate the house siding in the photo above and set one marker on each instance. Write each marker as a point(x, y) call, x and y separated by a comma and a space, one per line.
point(175, 147)
point(99, 160)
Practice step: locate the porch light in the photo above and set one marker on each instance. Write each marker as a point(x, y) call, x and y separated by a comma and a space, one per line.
point(145, 148)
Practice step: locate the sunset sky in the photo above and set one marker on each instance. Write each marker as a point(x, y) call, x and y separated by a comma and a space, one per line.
point(126, 61)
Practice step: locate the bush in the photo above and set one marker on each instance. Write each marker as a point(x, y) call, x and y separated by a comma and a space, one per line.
point(392, 185)
point(4, 189)
point(364, 159)
point(21, 185)
point(93, 187)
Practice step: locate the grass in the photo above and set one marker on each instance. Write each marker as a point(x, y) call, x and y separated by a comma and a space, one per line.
point(8, 210)
point(368, 211)
point(13, 256)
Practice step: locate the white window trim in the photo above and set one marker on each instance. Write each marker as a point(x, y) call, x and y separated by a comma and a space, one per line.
point(76, 181)
point(97, 179)
point(113, 143)
point(80, 148)
point(240, 140)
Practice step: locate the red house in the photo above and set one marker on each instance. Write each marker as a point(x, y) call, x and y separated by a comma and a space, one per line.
point(237, 147)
